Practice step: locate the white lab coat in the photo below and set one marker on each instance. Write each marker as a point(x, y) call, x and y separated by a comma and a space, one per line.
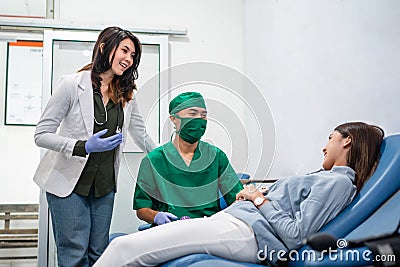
point(71, 110)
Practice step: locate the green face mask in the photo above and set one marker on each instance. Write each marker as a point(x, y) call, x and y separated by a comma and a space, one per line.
point(192, 129)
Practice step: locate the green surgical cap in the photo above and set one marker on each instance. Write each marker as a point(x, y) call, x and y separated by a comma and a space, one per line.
point(186, 100)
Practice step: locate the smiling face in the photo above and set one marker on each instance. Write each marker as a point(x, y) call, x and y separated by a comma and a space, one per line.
point(335, 151)
point(123, 58)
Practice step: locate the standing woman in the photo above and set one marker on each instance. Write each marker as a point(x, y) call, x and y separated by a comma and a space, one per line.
point(82, 127)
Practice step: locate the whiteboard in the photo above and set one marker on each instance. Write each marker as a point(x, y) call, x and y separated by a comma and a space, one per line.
point(24, 82)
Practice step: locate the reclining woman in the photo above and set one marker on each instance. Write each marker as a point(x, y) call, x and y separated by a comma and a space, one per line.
point(256, 226)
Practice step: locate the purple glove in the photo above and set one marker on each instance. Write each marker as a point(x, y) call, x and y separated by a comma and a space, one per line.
point(164, 217)
point(97, 144)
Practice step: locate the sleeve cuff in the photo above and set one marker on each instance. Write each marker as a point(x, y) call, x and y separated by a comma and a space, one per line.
point(79, 149)
point(142, 205)
point(268, 210)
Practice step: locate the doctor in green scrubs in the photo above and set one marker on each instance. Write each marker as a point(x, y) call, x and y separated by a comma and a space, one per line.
point(184, 177)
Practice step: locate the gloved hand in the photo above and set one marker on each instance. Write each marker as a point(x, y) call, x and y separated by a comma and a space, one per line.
point(164, 217)
point(97, 144)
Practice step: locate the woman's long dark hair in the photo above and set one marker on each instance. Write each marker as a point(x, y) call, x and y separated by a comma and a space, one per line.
point(364, 153)
point(121, 86)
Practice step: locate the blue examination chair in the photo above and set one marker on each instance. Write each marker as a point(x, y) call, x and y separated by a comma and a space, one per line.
point(374, 211)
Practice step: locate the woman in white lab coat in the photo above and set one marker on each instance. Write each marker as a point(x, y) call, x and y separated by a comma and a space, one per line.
point(83, 128)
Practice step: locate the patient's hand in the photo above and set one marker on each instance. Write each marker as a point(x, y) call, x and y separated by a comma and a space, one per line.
point(264, 190)
point(250, 192)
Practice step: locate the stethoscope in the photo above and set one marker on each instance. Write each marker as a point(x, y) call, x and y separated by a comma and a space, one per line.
point(118, 130)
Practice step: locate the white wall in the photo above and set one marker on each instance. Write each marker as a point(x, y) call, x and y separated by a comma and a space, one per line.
point(23, 8)
point(214, 27)
point(321, 63)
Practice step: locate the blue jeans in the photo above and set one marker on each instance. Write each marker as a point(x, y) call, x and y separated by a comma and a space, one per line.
point(81, 227)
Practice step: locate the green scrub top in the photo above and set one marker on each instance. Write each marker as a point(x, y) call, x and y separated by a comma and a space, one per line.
point(166, 183)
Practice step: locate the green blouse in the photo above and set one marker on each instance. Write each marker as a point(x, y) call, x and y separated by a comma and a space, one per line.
point(166, 183)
